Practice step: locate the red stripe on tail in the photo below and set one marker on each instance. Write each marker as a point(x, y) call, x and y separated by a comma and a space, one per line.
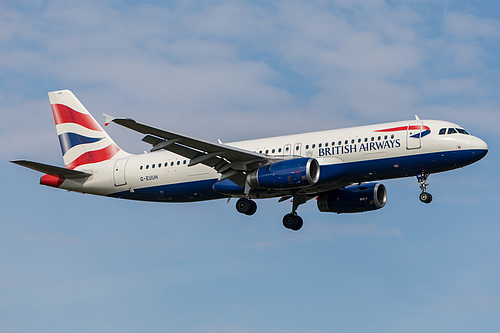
point(64, 114)
point(94, 156)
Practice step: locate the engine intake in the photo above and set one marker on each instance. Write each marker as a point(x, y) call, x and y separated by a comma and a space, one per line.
point(297, 172)
point(353, 199)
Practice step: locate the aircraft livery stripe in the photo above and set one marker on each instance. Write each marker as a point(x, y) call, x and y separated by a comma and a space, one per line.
point(69, 140)
point(94, 156)
point(404, 128)
point(64, 114)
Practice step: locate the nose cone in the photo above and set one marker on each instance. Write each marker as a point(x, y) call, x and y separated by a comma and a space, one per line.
point(479, 147)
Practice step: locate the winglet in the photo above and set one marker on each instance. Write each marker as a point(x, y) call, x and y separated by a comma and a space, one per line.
point(108, 119)
point(416, 117)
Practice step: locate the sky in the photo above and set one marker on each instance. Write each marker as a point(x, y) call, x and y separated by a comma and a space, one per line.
point(241, 70)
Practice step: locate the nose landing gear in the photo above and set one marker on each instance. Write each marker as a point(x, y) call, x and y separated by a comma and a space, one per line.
point(424, 196)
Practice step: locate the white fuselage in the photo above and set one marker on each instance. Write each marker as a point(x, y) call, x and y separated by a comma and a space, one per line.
point(374, 152)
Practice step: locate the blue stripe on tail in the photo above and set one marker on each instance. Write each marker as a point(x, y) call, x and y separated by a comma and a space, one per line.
point(69, 140)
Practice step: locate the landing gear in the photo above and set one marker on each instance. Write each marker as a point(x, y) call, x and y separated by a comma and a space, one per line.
point(246, 206)
point(424, 196)
point(292, 220)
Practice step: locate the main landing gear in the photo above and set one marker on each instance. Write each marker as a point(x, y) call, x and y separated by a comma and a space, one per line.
point(424, 196)
point(246, 206)
point(292, 220)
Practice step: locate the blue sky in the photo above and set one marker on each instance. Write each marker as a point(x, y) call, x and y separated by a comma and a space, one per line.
point(238, 70)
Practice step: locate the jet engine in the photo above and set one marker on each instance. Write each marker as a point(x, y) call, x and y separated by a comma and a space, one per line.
point(297, 172)
point(353, 199)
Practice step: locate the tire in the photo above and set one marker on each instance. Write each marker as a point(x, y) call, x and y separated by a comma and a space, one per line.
point(246, 206)
point(292, 221)
point(425, 197)
point(253, 208)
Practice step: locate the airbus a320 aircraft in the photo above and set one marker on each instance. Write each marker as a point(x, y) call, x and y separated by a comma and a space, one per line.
point(338, 167)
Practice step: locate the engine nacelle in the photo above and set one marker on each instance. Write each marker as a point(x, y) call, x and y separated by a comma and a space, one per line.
point(297, 172)
point(353, 199)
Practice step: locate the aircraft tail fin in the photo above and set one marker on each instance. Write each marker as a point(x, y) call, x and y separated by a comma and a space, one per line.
point(82, 139)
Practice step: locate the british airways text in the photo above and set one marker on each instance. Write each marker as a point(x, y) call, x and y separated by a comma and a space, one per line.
point(360, 147)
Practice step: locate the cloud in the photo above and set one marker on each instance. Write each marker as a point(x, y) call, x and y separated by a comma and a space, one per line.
point(469, 27)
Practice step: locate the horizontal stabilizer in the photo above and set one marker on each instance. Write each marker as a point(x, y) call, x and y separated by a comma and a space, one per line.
point(52, 170)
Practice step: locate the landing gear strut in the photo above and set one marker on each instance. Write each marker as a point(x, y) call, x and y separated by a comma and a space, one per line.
point(424, 196)
point(292, 220)
point(246, 206)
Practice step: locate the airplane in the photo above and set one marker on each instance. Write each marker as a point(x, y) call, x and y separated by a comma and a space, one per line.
point(340, 168)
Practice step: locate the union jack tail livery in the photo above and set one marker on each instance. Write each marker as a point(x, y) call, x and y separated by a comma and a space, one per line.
point(82, 139)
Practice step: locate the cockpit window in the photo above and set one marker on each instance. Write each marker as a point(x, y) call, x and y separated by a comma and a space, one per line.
point(442, 131)
point(462, 131)
point(452, 131)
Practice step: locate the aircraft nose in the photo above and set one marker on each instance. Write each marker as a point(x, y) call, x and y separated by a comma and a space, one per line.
point(480, 147)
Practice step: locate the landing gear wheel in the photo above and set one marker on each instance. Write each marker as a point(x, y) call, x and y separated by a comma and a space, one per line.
point(292, 221)
point(425, 197)
point(246, 206)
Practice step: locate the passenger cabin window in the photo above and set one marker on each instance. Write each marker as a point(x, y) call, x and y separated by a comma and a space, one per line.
point(279, 150)
point(319, 145)
point(307, 146)
point(313, 146)
point(326, 144)
point(451, 131)
point(140, 168)
point(442, 131)
point(297, 148)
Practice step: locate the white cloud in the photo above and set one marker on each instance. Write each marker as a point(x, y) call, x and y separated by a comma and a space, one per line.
point(470, 27)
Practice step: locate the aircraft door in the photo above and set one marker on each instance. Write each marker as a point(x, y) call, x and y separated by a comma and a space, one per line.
point(287, 149)
point(119, 172)
point(297, 149)
point(413, 135)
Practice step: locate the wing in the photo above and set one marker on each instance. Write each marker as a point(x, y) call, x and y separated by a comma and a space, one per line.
point(230, 162)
